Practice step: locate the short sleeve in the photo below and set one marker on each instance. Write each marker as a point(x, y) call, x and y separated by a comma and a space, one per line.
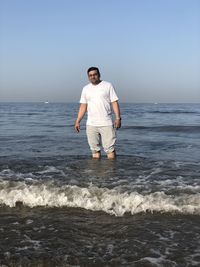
point(83, 99)
point(113, 95)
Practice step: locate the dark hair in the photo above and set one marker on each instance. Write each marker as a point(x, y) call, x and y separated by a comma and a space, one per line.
point(93, 68)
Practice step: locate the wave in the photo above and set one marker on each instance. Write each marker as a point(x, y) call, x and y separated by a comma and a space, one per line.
point(94, 198)
point(167, 128)
point(175, 112)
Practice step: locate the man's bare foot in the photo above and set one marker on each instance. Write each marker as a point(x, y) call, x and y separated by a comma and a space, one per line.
point(96, 155)
point(111, 155)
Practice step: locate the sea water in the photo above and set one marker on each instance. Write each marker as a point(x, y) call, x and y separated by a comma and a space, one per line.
point(58, 207)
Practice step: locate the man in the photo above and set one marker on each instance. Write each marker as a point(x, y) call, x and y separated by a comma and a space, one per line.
point(98, 98)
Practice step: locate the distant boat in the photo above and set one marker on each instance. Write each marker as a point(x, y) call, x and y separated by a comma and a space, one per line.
point(155, 103)
point(46, 102)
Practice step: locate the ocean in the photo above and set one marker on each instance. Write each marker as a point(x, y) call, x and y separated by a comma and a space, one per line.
point(58, 207)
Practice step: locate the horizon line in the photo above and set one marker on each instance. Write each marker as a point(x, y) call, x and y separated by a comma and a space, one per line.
point(122, 102)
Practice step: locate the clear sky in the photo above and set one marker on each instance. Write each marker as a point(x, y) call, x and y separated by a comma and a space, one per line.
point(148, 49)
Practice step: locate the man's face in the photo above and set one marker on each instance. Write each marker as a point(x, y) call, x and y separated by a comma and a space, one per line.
point(94, 77)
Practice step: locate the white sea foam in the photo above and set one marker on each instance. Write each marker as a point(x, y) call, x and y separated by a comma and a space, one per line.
point(95, 198)
point(9, 174)
point(49, 169)
point(160, 261)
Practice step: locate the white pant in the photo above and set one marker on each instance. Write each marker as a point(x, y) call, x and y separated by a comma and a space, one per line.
point(101, 135)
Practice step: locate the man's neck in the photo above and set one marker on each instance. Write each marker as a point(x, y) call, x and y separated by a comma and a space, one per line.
point(97, 82)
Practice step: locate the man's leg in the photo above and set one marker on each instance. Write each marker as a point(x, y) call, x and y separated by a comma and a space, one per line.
point(94, 139)
point(108, 137)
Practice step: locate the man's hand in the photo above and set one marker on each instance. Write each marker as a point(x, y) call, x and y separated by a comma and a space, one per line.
point(81, 113)
point(117, 123)
point(77, 126)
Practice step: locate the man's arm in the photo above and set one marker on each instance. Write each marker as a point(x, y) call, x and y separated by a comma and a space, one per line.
point(81, 113)
point(116, 109)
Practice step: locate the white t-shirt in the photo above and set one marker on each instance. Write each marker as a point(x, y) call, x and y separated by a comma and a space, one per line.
point(98, 99)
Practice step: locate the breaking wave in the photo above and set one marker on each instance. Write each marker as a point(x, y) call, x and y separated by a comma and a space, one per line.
point(95, 198)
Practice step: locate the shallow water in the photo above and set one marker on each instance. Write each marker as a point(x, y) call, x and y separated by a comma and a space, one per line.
point(80, 237)
point(60, 209)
